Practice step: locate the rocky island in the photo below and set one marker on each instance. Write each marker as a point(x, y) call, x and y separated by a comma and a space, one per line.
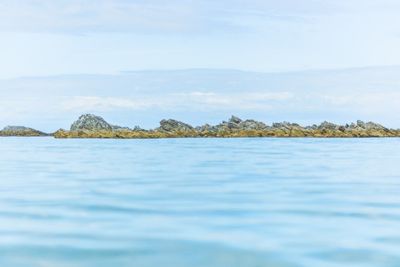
point(21, 131)
point(91, 126)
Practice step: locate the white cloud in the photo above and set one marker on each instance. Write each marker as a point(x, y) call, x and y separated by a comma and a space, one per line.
point(241, 101)
point(193, 101)
point(145, 97)
point(107, 36)
point(367, 102)
point(83, 16)
point(93, 103)
point(337, 100)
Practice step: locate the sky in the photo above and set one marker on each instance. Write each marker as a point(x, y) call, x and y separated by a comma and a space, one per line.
point(92, 40)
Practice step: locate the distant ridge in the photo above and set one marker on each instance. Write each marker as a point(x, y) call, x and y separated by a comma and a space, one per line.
point(214, 70)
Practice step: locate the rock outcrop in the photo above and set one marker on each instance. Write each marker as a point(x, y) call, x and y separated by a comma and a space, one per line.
point(91, 126)
point(171, 126)
point(237, 124)
point(90, 122)
point(20, 131)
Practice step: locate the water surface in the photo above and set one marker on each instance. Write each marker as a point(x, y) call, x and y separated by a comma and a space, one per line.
point(199, 202)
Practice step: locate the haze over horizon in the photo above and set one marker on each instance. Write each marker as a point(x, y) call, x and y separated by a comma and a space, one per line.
point(303, 61)
point(200, 96)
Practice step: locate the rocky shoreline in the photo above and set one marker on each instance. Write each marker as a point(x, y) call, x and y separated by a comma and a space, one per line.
point(92, 126)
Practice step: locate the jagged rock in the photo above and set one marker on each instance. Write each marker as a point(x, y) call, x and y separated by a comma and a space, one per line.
point(232, 124)
point(369, 126)
point(91, 126)
point(138, 129)
point(374, 126)
point(91, 122)
point(119, 128)
point(328, 126)
point(20, 131)
point(224, 126)
point(235, 120)
point(205, 128)
point(289, 129)
point(284, 125)
point(312, 127)
point(237, 124)
point(61, 133)
point(353, 126)
point(361, 124)
point(252, 125)
point(174, 126)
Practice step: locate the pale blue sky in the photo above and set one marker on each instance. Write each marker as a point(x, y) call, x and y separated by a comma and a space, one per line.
point(43, 38)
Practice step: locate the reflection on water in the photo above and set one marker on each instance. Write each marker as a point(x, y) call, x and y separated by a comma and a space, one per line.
point(199, 202)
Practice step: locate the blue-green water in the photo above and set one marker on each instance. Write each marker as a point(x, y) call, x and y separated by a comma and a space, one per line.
point(199, 202)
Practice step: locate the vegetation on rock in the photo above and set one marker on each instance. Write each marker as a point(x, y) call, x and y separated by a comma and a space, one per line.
point(91, 126)
point(20, 131)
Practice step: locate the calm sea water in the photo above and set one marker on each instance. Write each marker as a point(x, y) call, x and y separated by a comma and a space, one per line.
point(199, 202)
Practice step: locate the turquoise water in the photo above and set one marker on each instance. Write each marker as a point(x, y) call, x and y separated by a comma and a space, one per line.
point(199, 202)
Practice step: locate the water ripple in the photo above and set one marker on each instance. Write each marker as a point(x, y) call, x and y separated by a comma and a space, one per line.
point(199, 202)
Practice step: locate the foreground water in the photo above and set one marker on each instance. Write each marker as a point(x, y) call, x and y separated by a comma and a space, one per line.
point(199, 202)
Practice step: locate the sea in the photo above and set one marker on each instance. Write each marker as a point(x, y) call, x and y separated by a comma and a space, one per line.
point(199, 202)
